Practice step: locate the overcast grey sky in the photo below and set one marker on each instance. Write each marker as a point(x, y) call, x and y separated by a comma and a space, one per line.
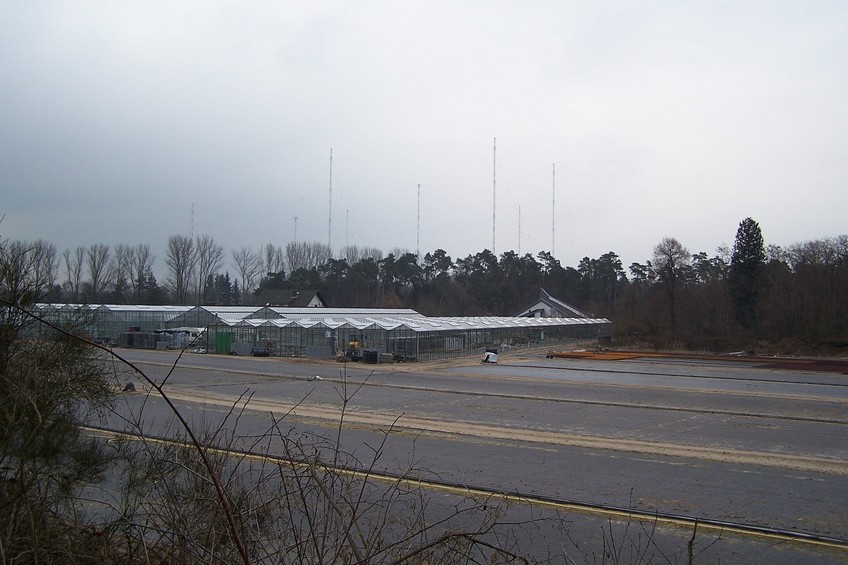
point(663, 119)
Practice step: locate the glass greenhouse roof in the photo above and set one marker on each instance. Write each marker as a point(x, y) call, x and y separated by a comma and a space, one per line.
point(332, 318)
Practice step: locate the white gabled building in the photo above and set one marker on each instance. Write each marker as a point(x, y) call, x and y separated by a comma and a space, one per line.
point(549, 307)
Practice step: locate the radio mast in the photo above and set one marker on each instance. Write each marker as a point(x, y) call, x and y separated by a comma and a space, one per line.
point(494, 186)
point(553, 212)
point(418, 230)
point(330, 212)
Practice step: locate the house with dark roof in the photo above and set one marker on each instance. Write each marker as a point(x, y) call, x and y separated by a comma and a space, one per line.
point(549, 307)
point(290, 298)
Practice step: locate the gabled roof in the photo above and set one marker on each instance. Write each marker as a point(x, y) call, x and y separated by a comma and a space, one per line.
point(558, 307)
point(302, 298)
point(289, 298)
point(543, 295)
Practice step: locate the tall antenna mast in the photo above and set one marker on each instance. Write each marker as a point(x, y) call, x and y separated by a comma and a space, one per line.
point(295, 229)
point(191, 222)
point(553, 212)
point(418, 230)
point(494, 185)
point(347, 227)
point(330, 214)
point(519, 229)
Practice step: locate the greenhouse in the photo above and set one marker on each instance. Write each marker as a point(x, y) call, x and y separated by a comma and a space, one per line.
point(114, 324)
point(402, 334)
point(405, 338)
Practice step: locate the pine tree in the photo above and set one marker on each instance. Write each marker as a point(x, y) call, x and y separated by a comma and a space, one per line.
point(746, 272)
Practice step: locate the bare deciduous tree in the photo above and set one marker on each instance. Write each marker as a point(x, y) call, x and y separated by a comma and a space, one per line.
point(820, 281)
point(671, 264)
point(248, 264)
point(307, 255)
point(141, 265)
point(273, 259)
point(354, 254)
point(210, 257)
point(18, 281)
point(98, 260)
point(123, 261)
point(45, 264)
point(73, 270)
point(181, 260)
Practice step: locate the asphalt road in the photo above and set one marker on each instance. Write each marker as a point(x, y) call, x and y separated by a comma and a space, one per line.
point(709, 439)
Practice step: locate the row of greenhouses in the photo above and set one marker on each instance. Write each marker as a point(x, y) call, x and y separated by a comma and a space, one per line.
point(315, 332)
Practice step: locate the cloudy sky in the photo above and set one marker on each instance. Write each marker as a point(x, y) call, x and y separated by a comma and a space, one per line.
point(680, 119)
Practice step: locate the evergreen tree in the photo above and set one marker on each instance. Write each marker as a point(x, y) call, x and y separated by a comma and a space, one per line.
point(236, 293)
point(746, 272)
point(148, 290)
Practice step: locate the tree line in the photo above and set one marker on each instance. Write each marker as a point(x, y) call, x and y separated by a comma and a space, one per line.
point(735, 297)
